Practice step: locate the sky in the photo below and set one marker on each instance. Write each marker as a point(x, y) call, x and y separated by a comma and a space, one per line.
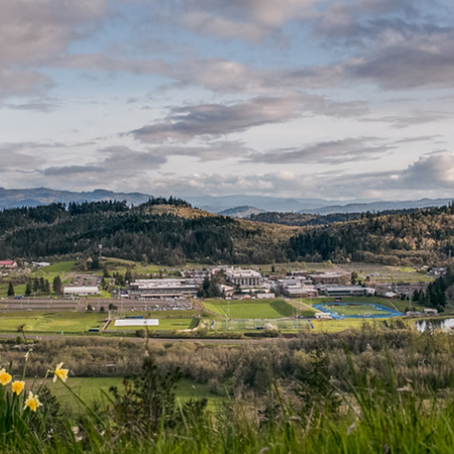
point(337, 99)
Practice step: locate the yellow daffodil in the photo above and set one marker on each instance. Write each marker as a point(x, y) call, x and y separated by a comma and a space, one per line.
point(32, 402)
point(5, 378)
point(17, 386)
point(62, 374)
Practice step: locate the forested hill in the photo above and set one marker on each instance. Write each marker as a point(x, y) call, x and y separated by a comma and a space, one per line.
point(160, 231)
point(172, 232)
point(421, 237)
point(305, 219)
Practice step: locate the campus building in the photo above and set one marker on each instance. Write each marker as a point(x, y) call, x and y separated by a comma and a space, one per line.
point(81, 291)
point(243, 278)
point(328, 278)
point(163, 288)
point(346, 290)
point(296, 287)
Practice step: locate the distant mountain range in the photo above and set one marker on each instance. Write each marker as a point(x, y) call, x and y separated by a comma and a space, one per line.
point(235, 205)
point(378, 206)
point(15, 198)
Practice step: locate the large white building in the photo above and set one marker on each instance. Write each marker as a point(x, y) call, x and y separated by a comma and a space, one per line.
point(243, 278)
point(81, 291)
point(163, 288)
point(296, 287)
point(346, 290)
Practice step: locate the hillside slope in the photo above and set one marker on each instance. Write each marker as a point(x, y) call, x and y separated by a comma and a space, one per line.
point(160, 231)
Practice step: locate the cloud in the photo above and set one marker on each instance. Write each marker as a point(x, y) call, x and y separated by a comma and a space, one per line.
point(17, 156)
point(34, 106)
point(35, 33)
point(396, 44)
point(413, 118)
point(214, 120)
point(330, 152)
point(118, 161)
point(208, 24)
point(433, 171)
point(211, 151)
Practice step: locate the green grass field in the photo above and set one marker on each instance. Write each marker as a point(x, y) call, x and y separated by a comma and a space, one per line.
point(56, 269)
point(165, 324)
point(93, 389)
point(50, 322)
point(81, 322)
point(262, 309)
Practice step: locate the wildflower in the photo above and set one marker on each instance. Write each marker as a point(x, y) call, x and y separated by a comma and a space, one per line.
point(28, 354)
point(32, 402)
point(62, 374)
point(17, 386)
point(5, 378)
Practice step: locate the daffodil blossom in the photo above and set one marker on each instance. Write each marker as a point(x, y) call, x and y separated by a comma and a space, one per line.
point(5, 378)
point(32, 402)
point(60, 373)
point(17, 386)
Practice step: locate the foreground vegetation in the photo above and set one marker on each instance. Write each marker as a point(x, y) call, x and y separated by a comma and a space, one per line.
point(375, 391)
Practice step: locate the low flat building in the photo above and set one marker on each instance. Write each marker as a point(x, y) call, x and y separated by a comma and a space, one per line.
point(163, 288)
point(243, 278)
point(346, 290)
point(323, 316)
point(40, 264)
point(8, 264)
point(265, 296)
point(327, 278)
point(428, 311)
point(81, 291)
point(226, 290)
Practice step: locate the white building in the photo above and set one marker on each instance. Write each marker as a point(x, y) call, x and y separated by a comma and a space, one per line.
point(163, 288)
point(296, 287)
point(40, 264)
point(81, 291)
point(346, 290)
point(243, 278)
point(322, 316)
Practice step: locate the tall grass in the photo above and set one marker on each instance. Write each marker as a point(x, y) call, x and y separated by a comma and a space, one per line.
point(369, 413)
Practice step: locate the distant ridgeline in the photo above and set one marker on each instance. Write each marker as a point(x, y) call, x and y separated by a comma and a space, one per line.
point(170, 231)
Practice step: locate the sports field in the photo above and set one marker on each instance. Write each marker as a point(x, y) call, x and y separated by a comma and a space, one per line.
point(250, 309)
point(165, 324)
point(50, 322)
point(357, 310)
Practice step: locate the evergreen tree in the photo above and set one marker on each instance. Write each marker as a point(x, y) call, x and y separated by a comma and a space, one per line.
point(57, 286)
point(35, 285)
point(11, 289)
point(28, 289)
point(46, 286)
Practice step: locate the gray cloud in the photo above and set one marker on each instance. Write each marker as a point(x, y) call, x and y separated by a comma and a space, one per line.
point(35, 33)
point(434, 171)
point(413, 118)
point(119, 161)
point(213, 120)
point(331, 152)
point(34, 106)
